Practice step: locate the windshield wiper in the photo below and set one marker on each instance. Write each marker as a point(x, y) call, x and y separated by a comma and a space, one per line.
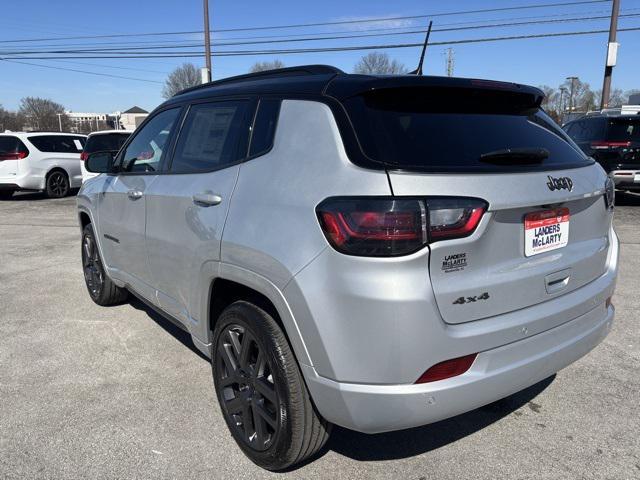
point(515, 156)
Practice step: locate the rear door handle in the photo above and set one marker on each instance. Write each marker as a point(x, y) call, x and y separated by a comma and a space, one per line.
point(134, 194)
point(207, 199)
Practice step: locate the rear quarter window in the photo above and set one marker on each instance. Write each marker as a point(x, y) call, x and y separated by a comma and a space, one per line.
point(264, 126)
point(58, 143)
point(447, 130)
point(11, 146)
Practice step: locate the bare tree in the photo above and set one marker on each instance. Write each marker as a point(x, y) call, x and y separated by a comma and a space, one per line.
point(262, 66)
point(584, 99)
point(185, 76)
point(379, 63)
point(43, 114)
point(10, 120)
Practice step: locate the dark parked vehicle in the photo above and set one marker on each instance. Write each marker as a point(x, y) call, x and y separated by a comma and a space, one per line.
point(106, 140)
point(614, 142)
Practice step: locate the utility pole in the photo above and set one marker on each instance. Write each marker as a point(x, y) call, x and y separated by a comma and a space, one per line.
point(60, 120)
point(573, 79)
point(450, 62)
point(207, 41)
point(612, 53)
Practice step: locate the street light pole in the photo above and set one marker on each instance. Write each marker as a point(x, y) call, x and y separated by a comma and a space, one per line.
point(60, 120)
point(563, 91)
point(573, 79)
point(207, 40)
point(612, 53)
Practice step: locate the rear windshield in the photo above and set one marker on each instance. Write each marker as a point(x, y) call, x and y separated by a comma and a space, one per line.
point(58, 143)
point(108, 141)
point(624, 130)
point(445, 130)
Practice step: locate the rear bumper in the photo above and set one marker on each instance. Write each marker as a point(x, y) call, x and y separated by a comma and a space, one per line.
point(626, 179)
point(22, 182)
point(495, 374)
point(374, 353)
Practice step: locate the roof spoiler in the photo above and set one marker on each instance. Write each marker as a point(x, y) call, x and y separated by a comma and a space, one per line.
point(346, 86)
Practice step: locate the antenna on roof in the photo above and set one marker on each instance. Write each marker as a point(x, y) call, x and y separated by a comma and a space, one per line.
point(418, 71)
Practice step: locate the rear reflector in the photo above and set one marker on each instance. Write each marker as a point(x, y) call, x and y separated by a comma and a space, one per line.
point(391, 226)
point(448, 369)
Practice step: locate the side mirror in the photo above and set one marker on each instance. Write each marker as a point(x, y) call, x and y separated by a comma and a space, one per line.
point(100, 162)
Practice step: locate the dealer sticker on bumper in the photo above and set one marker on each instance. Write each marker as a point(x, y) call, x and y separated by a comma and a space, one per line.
point(545, 231)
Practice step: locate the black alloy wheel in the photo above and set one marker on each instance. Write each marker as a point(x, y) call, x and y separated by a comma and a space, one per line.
point(249, 395)
point(92, 267)
point(259, 385)
point(57, 184)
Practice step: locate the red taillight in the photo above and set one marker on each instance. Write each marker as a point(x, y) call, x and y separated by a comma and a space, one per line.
point(84, 156)
point(607, 145)
point(13, 156)
point(385, 226)
point(447, 369)
point(374, 227)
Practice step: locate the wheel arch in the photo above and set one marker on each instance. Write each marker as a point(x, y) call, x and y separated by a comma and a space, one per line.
point(233, 284)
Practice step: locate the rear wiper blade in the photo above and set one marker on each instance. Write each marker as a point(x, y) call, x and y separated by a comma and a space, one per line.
point(516, 156)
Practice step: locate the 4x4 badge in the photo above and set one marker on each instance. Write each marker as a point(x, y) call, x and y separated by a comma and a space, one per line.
point(562, 183)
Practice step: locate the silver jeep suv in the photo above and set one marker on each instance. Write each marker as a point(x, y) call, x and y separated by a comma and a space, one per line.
point(373, 252)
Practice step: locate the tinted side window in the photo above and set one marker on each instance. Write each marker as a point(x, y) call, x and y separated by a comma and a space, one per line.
point(145, 151)
point(264, 126)
point(58, 143)
point(213, 135)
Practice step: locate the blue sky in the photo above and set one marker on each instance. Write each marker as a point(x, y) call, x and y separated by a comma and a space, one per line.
point(533, 61)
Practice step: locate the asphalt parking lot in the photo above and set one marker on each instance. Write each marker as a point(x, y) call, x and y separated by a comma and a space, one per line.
point(91, 392)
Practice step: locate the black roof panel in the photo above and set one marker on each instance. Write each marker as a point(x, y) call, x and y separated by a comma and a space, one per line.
point(321, 79)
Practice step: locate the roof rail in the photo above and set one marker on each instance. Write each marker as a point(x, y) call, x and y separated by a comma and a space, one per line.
point(278, 72)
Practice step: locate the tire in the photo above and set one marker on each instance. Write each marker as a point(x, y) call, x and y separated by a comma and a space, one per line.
point(100, 287)
point(6, 194)
point(57, 184)
point(256, 376)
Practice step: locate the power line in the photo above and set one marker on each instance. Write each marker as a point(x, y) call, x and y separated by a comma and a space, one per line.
point(306, 25)
point(235, 53)
point(80, 71)
point(111, 66)
point(359, 30)
point(133, 50)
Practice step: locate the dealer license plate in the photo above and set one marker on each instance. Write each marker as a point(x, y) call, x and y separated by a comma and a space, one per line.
point(545, 231)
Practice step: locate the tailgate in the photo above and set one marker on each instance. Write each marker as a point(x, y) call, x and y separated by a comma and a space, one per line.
point(489, 272)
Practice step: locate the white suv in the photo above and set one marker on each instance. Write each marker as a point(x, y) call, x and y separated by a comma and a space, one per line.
point(40, 161)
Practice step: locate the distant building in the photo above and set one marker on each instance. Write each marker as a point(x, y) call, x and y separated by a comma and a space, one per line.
point(82, 122)
point(85, 122)
point(132, 118)
point(633, 108)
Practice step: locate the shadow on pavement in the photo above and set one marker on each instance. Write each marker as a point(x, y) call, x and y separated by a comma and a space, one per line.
point(179, 334)
point(30, 196)
point(627, 199)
